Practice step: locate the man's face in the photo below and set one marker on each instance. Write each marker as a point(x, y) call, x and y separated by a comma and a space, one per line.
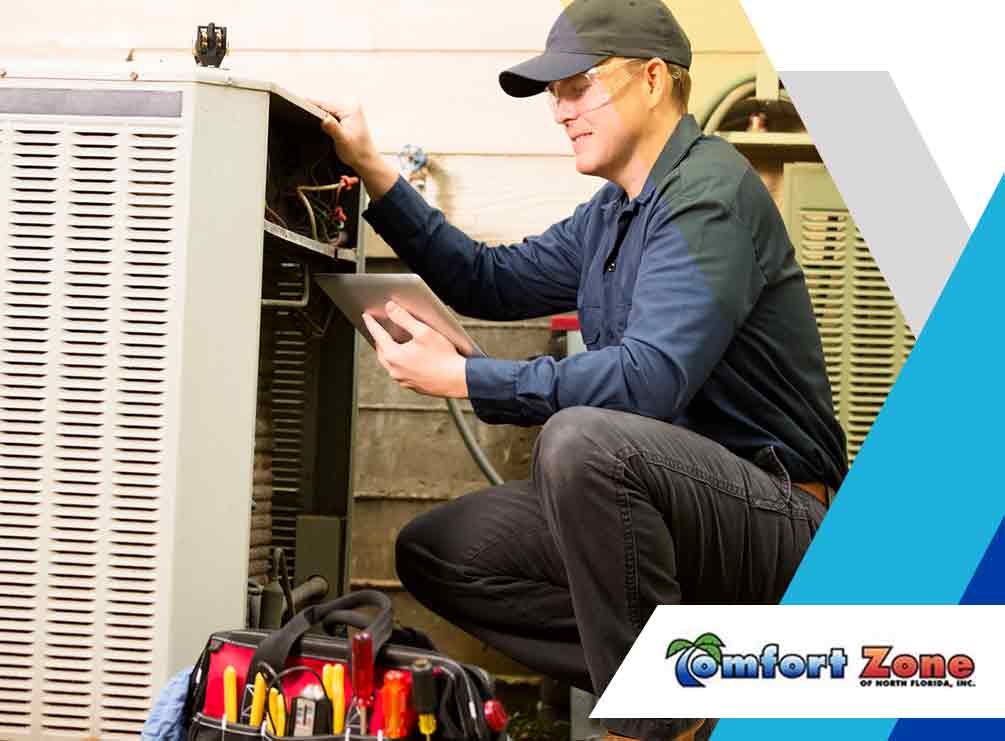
point(602, 113)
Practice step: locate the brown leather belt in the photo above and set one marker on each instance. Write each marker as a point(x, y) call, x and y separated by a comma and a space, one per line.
point(816, 489)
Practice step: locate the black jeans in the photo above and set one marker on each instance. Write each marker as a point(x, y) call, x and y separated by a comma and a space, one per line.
point(623, 513)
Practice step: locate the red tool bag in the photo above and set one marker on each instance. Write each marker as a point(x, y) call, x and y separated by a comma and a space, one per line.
point(292, 660)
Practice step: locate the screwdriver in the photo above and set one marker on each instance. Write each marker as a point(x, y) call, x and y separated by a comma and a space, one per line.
point(334, 680)
point(258, 701)
point(230, 694)
point(362, 675)
point(277, 712)
point(281, 715)
point(424, 696)
point(395, 696)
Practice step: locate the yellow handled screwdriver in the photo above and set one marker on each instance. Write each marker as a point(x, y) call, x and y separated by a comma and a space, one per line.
point(230, 694)
point(333, 677)
point(280, 714)
point(277, 713)
point(258, 701)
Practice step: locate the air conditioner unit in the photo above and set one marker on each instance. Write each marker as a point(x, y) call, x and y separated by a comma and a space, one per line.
point(865, 337)
point(134, 252)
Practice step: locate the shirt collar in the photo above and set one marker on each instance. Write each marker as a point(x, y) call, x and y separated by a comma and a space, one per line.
point(684, 135)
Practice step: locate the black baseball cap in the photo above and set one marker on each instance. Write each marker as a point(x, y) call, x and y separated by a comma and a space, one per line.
point(589, 31)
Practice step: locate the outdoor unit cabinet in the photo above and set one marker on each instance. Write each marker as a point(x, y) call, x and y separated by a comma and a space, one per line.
point(865, 337)
point(134, 259)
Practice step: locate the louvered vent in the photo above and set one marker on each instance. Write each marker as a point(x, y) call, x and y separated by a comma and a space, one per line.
point(292, 365)
point(30, 194)
point(865, 337)
point(88, 319)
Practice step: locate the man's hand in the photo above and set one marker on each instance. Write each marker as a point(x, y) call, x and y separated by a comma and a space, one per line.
point(347, 127)
point(428, 363)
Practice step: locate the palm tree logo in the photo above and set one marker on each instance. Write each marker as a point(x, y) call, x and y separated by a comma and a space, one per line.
point(707, 643)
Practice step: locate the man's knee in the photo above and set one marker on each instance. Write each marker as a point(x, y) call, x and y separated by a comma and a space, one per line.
point(413, 552)
point(566, 437)
point(568, 448)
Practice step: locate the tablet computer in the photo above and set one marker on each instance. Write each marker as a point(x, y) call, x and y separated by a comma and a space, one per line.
point(355, 294)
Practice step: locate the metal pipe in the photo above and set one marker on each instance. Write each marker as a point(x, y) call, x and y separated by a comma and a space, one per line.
point(471, 444)
point(734, 96)
point(714, 104)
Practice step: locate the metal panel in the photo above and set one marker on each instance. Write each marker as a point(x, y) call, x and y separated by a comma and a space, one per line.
point(864, 335)
point(87, 271)
point(75, 102)
point(129, 327)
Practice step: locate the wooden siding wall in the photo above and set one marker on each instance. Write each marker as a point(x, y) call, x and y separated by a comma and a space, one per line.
point(426, 73)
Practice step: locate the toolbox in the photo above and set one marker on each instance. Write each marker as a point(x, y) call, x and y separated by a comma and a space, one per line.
point(310, 680)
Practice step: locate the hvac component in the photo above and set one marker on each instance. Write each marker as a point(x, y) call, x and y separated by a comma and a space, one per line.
point(865, 337)
point(134, 261)
point(210, 45)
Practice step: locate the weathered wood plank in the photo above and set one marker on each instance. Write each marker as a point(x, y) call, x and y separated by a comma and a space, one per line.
point(502, 341)
point(422, 450)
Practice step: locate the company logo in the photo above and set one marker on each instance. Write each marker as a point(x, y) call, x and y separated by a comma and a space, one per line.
point(909, 670)
point(703, 658)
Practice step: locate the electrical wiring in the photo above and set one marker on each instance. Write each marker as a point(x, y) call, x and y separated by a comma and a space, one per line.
point(345, 182)
point(279, 219)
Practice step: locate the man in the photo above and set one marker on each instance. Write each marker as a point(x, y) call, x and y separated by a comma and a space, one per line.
point(665, 470)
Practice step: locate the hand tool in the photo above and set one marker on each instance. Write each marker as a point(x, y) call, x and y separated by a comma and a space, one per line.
point(257, 701)
point(424, 696)
point(230, 694)
point(304, 711)
point(334, 681)
point(280, 715)
point(394, 694)
point(362, 675)
point(277, 712)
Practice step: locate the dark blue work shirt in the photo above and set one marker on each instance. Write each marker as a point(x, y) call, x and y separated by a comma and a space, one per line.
point(691, 303)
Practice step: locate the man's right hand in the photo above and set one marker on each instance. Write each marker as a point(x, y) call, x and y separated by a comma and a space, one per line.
point(347, 127)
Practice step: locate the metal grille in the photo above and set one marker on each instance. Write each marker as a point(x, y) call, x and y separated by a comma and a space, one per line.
point(29, 224)
point(261, 494)
point(87, 323)
point(865, 337)
point(292, 363)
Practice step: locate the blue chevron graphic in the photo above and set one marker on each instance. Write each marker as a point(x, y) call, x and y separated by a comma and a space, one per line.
point(986, 588)
point(921, 504)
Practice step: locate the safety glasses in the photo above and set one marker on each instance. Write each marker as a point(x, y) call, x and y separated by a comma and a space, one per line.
point(594, 88)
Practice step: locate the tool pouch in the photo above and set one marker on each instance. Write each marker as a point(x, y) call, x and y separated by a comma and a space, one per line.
point(315, 637)
point(205, 728)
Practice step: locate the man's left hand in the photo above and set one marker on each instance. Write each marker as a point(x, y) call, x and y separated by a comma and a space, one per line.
point(428, 363)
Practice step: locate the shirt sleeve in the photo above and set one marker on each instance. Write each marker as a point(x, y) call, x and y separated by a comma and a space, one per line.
point(537, 277)
point(698, 280)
